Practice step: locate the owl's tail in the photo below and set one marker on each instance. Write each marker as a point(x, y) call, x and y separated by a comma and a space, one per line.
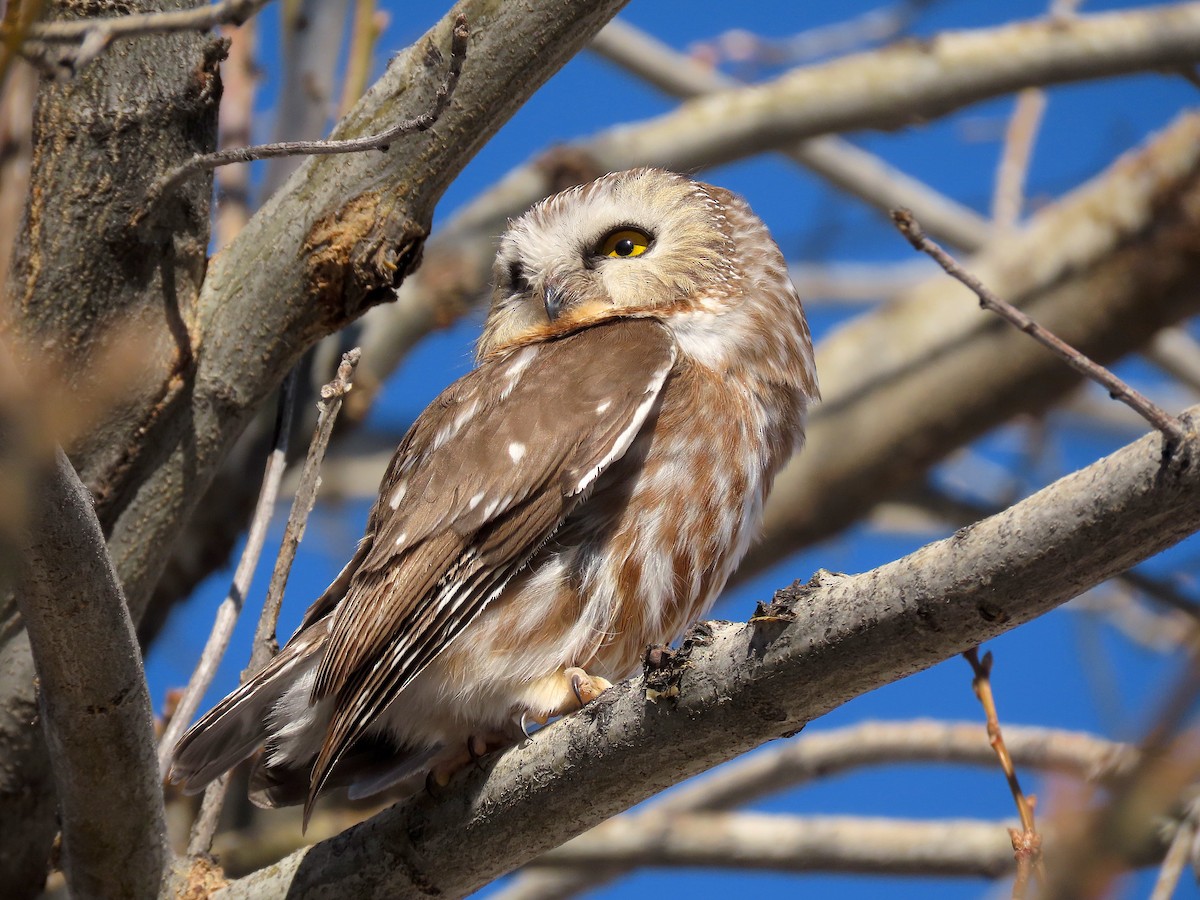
point(238, 725)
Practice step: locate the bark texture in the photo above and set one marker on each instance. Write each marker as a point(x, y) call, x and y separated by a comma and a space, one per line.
point(97, 312)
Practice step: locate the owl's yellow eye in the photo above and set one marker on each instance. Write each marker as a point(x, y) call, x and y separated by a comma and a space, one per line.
point(624, 243)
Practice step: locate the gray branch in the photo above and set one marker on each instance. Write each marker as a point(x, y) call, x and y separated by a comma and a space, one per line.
point(735, 686)
point(94, 704)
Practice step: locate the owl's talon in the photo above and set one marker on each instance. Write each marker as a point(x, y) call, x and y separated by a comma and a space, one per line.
point(585, 687)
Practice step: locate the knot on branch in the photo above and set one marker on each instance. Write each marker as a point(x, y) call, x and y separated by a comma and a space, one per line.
point(357, 255)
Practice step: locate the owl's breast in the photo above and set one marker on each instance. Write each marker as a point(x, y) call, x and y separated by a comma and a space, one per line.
point(671, 522)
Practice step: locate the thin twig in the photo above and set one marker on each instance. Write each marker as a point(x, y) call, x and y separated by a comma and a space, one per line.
point(1008, 198)
point(265, 645)
point(1169, 425)
point(231, 606)
point(204, 829)
point(1027, 843)
point(381, 141)
point(1178, 854)
point(200, 18)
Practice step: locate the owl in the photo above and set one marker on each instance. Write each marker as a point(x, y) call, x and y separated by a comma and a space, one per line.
point(583, 493)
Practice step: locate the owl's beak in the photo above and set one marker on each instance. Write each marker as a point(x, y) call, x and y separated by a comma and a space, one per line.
point(554, 300)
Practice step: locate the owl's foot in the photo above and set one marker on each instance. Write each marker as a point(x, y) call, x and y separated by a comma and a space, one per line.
point(585, 687)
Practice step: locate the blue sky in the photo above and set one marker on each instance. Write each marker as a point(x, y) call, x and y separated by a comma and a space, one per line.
point(1042, 670)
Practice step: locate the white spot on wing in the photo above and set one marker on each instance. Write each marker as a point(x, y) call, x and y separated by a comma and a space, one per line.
point(398, 494)
point(476, 500)
point(403, 537)
point(603, 407)
point(625, 438)
point(516, 450)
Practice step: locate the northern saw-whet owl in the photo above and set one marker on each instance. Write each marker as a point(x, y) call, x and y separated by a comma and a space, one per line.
point(583, 493)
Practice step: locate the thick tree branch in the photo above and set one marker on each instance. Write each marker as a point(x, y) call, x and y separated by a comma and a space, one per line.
point(740, 685)
point(95, 707)
point(118, 352)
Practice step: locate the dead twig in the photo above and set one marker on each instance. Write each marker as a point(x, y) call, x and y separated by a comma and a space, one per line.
point(1171, 427)
point(265, 645)
point(381, 141)
point(1026, 843)
point(231, 606)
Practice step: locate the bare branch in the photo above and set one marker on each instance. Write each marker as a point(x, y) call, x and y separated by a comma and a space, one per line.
point(825, 754)
point(369, 23)
point(852, 169)
point(742, 685)
point(872, 27)
point(779, 843)
point(95, 706)
point(380, 141)
point(1008, 199)
point(1106, 284)
point(1118, 389)
point(1026, 843)
point(910, 81)
point(332, 394)
point(231, 606)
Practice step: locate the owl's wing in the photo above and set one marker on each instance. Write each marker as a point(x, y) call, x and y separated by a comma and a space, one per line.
point(484, 477)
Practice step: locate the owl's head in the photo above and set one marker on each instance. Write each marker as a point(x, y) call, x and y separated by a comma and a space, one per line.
point(639, 243)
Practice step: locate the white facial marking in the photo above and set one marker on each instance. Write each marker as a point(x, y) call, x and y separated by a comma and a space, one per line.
point(516, 450)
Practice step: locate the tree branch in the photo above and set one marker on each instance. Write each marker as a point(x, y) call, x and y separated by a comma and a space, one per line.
point(779, 843)
point(825, 754)
point(1117, 389)
point(740, 685)
point(95, 706)
point(844, 165)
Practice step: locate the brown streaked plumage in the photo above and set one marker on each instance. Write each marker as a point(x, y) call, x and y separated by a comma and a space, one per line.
point(586, 491)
